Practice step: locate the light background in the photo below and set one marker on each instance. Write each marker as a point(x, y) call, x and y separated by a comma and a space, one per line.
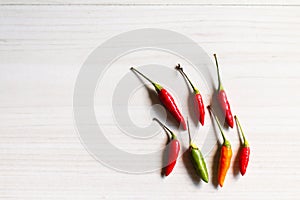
point(44, 43)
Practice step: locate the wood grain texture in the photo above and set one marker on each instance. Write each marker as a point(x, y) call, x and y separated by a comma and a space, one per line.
point(153, 2)
point(43, 47)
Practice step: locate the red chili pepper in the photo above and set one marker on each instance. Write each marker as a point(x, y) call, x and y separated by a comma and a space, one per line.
point(245, 151)
point(166, 99)
point(172, 150)
point(198, 102)
point(222, 98)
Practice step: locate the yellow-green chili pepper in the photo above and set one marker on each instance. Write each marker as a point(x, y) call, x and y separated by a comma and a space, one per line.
point(198, 159)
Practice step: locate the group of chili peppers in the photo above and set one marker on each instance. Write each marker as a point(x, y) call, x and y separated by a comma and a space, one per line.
point(173, 147)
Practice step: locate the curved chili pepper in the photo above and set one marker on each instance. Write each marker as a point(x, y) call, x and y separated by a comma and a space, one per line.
point(197, 159)
point(166, 99)
point(172, 150)
point(245, 151)
point(222, 98)
point(225, 155)
point(198, 101)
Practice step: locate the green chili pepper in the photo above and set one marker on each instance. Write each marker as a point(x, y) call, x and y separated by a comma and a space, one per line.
point(198, 159)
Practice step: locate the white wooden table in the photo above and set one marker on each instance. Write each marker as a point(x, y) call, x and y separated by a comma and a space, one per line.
point(43, 45)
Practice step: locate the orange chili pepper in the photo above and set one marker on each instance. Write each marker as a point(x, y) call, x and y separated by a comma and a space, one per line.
point(224, 163)
point(225, 156)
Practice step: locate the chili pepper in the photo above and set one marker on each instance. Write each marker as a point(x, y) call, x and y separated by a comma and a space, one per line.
point(197, 159)
point(173, 149)
point(166, 99)
point(222, 98)
point(226, 154)
point(198, 102)
point(245, 151)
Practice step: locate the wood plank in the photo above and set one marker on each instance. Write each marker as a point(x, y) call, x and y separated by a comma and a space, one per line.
point(155, 2)
point(42, 49)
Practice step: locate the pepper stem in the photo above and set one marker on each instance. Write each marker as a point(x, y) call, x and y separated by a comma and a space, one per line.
point(246, 144)
point(219, 77)
point(180, 69)
point(173, 136)
point(226, 142)
point(157, 86)
point(190, 138)
point(189, 132)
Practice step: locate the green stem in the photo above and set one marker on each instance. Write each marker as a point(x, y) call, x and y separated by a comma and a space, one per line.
point(226, 142)
point(190, 138)
point(246, 144)
point(180, 69)
point(219, 77)
point(173, 136)
point(157, 86)
point(189, 132)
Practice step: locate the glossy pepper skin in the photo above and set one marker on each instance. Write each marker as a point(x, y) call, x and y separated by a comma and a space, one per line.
point(172, 153)
point(223, 100)
point(166, 99)
point(225, 155)
point(172, 149)
point(244, 152)
point(224, 163)
point(198, 101)
point(199, 162)
point(197, 159)
point(244, 159)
